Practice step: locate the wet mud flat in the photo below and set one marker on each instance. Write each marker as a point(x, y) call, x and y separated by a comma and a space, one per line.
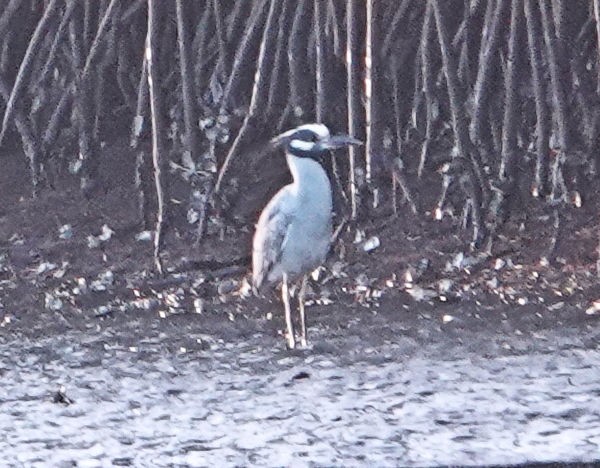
point(91, 398)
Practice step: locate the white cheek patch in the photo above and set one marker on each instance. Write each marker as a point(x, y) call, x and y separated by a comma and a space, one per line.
point(318, 129)
point(301, 145)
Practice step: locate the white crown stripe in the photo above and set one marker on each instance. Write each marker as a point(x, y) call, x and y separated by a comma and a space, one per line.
point(301, 145)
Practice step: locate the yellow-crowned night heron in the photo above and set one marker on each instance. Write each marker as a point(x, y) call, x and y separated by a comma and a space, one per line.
point(294, 230)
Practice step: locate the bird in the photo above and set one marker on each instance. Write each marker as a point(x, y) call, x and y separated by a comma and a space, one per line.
point(293, 233)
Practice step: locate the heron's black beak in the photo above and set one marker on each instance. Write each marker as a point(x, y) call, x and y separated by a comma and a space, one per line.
point(331, 142)
point(339, 141)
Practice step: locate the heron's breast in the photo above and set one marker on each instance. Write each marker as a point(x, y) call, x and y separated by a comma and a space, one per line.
point(307, 241)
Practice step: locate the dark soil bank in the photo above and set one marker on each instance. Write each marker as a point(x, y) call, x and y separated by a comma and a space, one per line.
point(478, 360)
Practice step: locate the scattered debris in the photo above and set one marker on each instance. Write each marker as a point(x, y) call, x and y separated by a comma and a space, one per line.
point(594, 308)
point(81, 287)
point(65, 231)
point(51, 302)
point(60, 397)
point(359, 236)
point(103, 282)
point(447, 318)
point(420, 294)
point(102, 311)
point(92, 242)
point(144, 236)
point(445, 285)
point(316, 273)
point(227, 286)
point(301, 375)
point(192, 216)
point(60, 272)
point(105, 235)
point(414, 273)
point(245, 290)
point(371, 244)
point(45, 267)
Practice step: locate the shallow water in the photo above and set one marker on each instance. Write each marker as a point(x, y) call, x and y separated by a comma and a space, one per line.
point(245, 404)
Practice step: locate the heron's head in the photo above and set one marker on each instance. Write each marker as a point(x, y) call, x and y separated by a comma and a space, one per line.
point(312, 141)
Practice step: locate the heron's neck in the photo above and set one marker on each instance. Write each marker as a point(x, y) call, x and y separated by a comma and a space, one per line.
point(308, 174)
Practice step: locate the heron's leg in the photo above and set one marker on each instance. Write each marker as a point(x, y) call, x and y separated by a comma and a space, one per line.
point(303, 338)
point(285, 295)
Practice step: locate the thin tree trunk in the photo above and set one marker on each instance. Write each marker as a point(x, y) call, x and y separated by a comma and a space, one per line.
point(140, 127)
point(485, 81)
point(428, 88)
point(296, 55)
point(259, 90)
point(321, 19)
point(540, 187)
point(185, 67)
point(95, 49)
point(156, 107)
point(7, 15)
point(199, 48)
point(321, 71)
point(277, 81)
point(27, 62)
point(597, 18)
point(142, 105)
point(59, 115)
point(84, 115)
point(509, 134)
point(58, 37)
point(392, 30)
point(223, 62)
point(354, 102)
point(29, 140)
point(461, 134)
point(253, 29)
point(89, 23)
point(556, 59)
point(373, 84)
point(454, 91)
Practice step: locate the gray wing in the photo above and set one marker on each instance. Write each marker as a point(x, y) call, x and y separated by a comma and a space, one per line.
point(269, 240)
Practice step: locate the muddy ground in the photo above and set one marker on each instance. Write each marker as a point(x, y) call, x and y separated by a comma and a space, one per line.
point(478, 360)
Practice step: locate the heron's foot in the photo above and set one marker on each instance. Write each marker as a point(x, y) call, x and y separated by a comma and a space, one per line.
point(303, 342)
point(291, 341)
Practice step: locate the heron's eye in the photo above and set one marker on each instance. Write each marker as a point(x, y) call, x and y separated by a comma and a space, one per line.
point(307, 135)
